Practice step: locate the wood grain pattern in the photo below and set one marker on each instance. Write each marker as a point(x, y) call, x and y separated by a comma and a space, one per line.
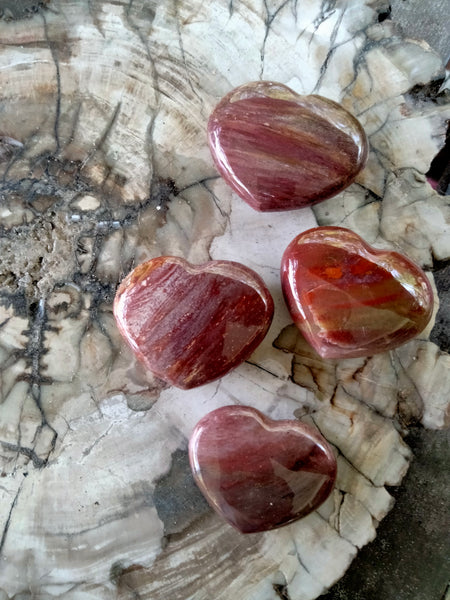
point(104, 164)
point(192, 324)
point(281, 151)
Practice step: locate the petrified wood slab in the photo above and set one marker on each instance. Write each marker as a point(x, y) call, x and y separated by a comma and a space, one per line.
point(105, 163)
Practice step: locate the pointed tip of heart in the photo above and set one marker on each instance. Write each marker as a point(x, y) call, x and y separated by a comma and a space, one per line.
point(260, 474)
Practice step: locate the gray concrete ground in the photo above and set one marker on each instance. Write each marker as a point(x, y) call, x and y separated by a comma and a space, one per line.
point(409, 559)
point(425, 19)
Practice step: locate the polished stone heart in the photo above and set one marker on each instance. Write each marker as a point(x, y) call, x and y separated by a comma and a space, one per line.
point(281, 151)
point(257, 473)
point(349, 299)
point(191, 324)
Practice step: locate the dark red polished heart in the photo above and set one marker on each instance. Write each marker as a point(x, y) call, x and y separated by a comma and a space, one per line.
point(349, 299)
point(281, 151)
point(257, 473)
point(191, 324)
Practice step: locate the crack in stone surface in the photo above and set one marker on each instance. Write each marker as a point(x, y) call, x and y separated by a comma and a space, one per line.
point(116, 170)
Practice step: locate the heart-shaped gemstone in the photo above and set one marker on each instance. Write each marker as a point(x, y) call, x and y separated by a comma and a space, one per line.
point(191, 324)
point(281, 151)
point(349, 299)
point(257, 473)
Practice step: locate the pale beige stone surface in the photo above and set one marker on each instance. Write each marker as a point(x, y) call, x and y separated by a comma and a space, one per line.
point(104, 163)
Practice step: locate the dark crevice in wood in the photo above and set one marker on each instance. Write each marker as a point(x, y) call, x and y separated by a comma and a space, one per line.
point(439, 172)
point(385, 14)
point(281, 591)
point(428, 91)
point(8, 518)
point(439, 334)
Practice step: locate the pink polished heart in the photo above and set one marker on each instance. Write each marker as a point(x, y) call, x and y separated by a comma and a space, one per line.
point(259, 474)
point(191, 324)
point(349, 299)
point(281, 151)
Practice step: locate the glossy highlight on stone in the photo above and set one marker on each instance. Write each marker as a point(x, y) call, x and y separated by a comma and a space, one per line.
point(191, 324)
point(280, 151)
point(349, 299)
point(260, 474)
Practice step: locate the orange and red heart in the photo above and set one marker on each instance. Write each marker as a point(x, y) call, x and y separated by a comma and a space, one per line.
point(191, 324)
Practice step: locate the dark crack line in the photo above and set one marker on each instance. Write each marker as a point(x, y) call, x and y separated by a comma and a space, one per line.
point(202, 182)
point(53, 52)
point(216, 391)
point(296, 360)
point(360, 62)
point(8, 518)
point(299, 558)
point(331, 51)
point(360, 58)
point(360, 370)
point(155, 78)
point(119, 515)
point(269, 19)
point(339, 510)
point(99, 292)
point(5, 322)
point(95, 321)
point(376, 487)
point(371, 196)
point(34, 353)
point(248, 362)
point(257, 384)
point(363, 403)
point(308, 363)
point(126, 266)
point(216, 200)
point(160, 195)
point(327, 9)
point(98, 145)
point(281, 591)
point(14, 148)
point(29, 188)
point(388, 164)
point(38, 462)
point(182, 50)
point(366, 477)
point(87, 451)
point(6, 388)
point(383, 102)
point(75, 122)
point(95, 18)
point(408, 377)
point(355, 210)
point(387, 121)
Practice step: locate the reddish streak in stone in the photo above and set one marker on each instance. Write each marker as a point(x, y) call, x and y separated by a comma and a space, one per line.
point(380, 300)
point(192, 324)
point(280, 154)
point(257, 473)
